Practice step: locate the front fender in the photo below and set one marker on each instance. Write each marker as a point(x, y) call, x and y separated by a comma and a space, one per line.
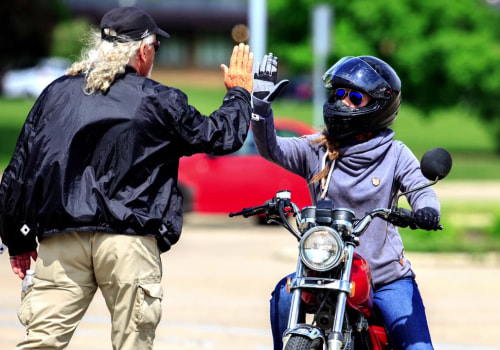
point(305, 330)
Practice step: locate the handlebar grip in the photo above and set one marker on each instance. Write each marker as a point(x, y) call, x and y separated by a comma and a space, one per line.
point(406, 213)
point(403, 218)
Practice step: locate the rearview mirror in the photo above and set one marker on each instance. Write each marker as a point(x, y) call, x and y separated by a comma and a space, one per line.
point(436, 164)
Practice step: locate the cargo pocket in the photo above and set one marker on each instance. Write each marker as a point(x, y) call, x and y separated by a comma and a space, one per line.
point(25, 313)
point(148, 306)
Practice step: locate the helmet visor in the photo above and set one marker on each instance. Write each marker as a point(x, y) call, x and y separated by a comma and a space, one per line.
point(355, 73)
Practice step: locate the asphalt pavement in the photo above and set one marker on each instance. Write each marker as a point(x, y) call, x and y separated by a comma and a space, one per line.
point(218, 279)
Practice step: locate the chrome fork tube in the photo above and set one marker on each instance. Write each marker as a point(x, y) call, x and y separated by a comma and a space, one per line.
point(335, 340)
point(293, 318)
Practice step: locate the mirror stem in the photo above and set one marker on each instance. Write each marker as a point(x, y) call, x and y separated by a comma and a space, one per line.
point(413, 190)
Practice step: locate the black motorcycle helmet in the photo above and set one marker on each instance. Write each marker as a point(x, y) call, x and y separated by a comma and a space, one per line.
point(365, 74)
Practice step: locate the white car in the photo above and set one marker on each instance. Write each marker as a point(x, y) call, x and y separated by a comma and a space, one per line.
point(30, 82)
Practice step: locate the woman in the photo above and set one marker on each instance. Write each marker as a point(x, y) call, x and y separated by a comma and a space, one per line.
point(356, 162)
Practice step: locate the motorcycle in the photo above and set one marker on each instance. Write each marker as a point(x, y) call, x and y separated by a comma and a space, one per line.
point(333, 283)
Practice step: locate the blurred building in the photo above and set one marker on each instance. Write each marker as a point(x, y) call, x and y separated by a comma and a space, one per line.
point(203, 32)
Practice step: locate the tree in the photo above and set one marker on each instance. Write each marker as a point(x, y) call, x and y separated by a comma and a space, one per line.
point(69, 37)
point(446, 52)
point(26, 30)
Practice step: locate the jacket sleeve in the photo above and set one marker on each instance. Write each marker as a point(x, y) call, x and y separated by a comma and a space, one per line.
point(15, 228)
point(410, 176)
point(222, 132)
point(290, 153)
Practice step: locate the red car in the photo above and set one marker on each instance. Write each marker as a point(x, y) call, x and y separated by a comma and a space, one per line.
point(223, 184)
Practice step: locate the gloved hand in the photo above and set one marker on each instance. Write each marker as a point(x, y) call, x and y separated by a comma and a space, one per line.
point(427, 218)
point(265, 88)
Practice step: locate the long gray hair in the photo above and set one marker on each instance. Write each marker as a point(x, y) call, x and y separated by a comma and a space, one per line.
point(102, 61)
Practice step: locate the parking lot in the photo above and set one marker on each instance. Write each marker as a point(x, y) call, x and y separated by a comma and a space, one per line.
point(218, 279)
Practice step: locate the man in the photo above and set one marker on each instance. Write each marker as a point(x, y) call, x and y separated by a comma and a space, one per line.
point(93, 179)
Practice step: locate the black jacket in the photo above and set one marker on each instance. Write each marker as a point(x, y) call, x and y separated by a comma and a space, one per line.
point(109, 162)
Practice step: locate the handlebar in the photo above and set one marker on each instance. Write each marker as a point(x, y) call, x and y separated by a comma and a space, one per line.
point(400, 217)
point(277, 208)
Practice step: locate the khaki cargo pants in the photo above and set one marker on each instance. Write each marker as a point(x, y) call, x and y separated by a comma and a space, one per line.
point(70, 268)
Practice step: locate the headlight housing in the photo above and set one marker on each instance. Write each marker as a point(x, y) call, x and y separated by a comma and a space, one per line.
point(321, 248)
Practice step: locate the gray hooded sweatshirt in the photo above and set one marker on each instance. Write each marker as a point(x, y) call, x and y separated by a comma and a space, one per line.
point(366, 175)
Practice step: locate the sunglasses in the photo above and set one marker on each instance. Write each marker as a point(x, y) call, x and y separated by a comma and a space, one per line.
point(355, 97)
point(156, 45)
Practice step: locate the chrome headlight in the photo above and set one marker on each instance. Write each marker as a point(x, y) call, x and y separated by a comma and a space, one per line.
point(321, 248)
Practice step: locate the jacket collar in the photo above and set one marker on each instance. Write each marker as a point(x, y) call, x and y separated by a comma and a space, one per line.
point(130, 69)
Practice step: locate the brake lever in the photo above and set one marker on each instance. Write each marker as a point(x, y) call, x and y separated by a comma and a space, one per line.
point(247, 212)
point(261, 209)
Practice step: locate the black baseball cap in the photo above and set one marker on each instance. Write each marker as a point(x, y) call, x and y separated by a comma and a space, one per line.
point(129, 24)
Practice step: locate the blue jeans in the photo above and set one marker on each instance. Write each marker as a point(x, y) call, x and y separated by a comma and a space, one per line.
point(400, 305)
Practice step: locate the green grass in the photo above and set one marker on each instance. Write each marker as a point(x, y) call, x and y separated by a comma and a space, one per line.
point(469, 141)
point(469, 227)
point(12, 116)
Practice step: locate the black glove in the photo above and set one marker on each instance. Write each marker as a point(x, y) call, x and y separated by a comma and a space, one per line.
point(265, 88)
point(427, 218)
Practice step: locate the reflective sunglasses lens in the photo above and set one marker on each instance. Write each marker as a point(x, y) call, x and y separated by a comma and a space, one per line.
point(356, 97)
point(340, 94)
point(156, 46)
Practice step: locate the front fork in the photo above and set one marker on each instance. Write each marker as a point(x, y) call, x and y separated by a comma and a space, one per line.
point(294, 327)
point(293, 318)
point(335, 339)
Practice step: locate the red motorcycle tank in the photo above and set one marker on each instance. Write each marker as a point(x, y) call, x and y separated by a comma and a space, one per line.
point(361, 297)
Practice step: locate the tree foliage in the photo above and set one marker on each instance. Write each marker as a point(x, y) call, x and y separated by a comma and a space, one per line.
point(26, 30)
point(68, 39)
point(446, 52)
